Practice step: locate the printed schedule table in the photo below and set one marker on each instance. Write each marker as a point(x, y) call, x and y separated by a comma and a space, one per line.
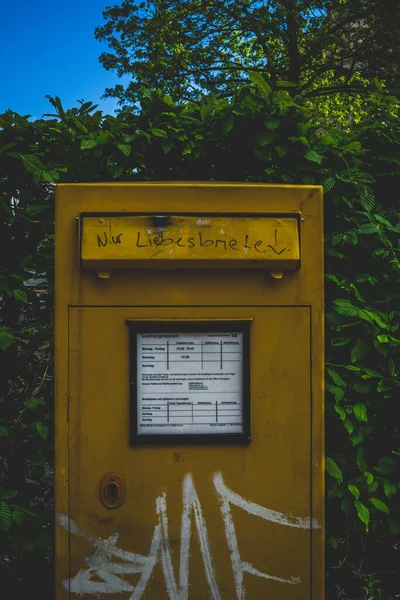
point(190, 382)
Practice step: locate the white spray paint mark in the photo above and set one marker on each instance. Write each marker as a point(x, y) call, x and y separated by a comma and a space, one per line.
point(203, 222)
point(228, 497)
point(150, 564)
point(101, 566)
point(257, 510)
point(166, 560)
point(100, 563)
point(191, 503)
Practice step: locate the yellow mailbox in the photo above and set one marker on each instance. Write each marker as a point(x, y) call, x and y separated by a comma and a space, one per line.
point(189, 397)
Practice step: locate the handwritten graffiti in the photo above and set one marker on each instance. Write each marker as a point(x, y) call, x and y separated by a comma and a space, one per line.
point(103, 576)
point(198, 240)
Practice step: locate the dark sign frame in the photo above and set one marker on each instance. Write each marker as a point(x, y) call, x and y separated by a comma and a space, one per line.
point(179, 326)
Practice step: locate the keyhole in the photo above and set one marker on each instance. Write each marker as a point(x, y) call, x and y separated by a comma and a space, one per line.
point(112, 491)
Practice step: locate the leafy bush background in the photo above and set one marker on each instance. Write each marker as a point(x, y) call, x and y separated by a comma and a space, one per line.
point(259, 135)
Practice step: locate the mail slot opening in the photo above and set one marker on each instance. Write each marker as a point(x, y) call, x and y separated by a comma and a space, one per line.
point(182, 241)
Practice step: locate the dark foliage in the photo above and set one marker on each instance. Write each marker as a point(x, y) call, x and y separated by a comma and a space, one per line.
point(259, 135)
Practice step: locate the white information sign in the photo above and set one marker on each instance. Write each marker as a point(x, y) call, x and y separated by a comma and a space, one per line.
point(190, 383)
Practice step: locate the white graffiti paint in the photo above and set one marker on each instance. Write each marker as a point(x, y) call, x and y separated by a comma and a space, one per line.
point(228, 497)
point(191, 503)
point(103, 576)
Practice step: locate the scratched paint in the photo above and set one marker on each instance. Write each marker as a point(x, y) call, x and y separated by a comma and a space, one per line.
point(104, 576)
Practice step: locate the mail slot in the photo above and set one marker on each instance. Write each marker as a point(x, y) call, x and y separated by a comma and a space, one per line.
point(189, 391)
point(183, 241)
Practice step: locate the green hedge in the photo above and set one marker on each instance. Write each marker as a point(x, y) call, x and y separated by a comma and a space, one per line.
point(261, 136)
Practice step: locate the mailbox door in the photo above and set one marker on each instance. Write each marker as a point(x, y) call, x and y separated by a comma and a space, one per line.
point(197, 520)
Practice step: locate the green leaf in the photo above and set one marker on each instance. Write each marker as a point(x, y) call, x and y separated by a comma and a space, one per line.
point(287, 178)
point(336, 377)
point(369, 478)
point(357, 437)
point(385, 465)
point(333, 470)
point(389, 488)
point(362, 387)
point(262, 85)
point(362, 513)
point(207, 109)
point(345, 307)
point(5, 516)
point(336, 239)
point(3, 431)
point(371, 372)
point(50, 175)
point(34, 403)
point(281, 151)
point(167, 145)
point(77, 123)
point(334, 541)
point(379, 505)
point(361, 463)
point(341, 412)
point(337, 392)
point(367, 200)
point(340, 341)
point(333, 252)
point(7, 494)
point(358, 351)
point(302, 139)
point(269, 170)
point(272, 124)
point(124, 148)
point(314, 156)
point(158, 133)
point(354, 490)
point(264, 138)
point(88, 144)
point(42, 429)
point(349, 426)
point(36, 209)
point(360, 412)
point(24, 511)
point(394, 525)
point(6, 338)
point(20, 295)
point(32, 164)
point(383, 221)
point(368, 229)
point(116, 171)
point(346, 505)
point(17, 517)
point(373, 486)
point(227, 124)
point(328, 184)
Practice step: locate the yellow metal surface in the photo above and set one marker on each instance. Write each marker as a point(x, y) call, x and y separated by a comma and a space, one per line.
point(199, 521)
point(178, 241)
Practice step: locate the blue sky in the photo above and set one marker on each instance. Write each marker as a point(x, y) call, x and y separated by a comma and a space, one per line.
point(48, 47)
